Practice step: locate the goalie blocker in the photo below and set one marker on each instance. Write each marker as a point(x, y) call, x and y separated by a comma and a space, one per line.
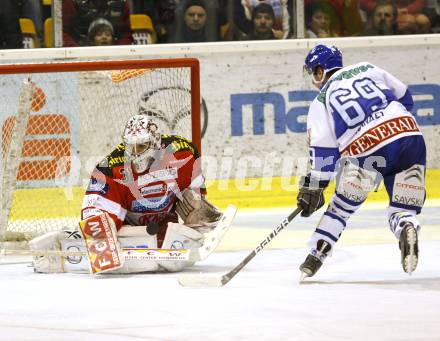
point(129, 250)
point(103, 249)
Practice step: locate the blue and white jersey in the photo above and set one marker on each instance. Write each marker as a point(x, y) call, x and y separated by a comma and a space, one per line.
point(359, 110)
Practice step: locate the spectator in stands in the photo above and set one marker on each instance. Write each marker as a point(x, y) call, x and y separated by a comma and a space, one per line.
point(79, 14)
point(384, 19)
point(10, 33)
point(195, 17)
point(263, 19)
point(410, 22)
point(345, 16)
point(195, 23)
point(320, 20)
point(281, 26)
point(410, 17)
point(100, 32)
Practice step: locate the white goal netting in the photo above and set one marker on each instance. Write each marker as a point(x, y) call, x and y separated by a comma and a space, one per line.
point(56, 126)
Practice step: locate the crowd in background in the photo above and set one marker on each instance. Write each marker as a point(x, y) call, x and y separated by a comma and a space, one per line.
point(122, 22)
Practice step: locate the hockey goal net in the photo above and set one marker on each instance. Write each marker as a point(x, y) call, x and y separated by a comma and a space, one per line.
point(58, 120)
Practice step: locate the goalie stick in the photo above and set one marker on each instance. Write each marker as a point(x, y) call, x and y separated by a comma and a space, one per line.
point(203, 280)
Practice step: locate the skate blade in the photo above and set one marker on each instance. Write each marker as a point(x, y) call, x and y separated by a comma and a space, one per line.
point(410, 264)
point(411, 260)
point(303, 276)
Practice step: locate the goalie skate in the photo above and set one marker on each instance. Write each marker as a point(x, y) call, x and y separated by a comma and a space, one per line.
point(409, 249)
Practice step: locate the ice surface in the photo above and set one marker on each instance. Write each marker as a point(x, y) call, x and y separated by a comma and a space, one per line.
point(361, 293)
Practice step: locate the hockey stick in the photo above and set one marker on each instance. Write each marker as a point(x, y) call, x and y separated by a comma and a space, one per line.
point(203, 280)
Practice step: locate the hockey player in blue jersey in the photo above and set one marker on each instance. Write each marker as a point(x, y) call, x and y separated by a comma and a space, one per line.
point(361, 129)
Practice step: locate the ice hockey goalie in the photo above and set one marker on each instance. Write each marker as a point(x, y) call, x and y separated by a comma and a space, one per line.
point(133, 201)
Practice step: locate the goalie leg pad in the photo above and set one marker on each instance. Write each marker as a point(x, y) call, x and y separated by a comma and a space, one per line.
point(180, 237)
point(133, 265)
point(131, 237)
point(74, 264)
point(65, 240)
point(71, 241)
point(47, 263)
point(201, 244)
point(80, 264)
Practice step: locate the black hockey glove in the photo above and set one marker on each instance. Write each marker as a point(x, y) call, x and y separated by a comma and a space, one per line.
point(310, 196)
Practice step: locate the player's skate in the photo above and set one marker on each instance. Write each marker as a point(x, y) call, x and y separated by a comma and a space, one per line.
point(314, 260)
point(409, 248)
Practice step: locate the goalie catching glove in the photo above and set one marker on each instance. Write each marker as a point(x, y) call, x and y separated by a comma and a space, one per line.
point(195, 210)
point(311, 195)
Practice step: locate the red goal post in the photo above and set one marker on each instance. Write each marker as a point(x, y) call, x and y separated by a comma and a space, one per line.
point(59, 119)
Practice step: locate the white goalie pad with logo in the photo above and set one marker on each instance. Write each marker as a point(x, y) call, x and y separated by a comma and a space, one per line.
point(182, 247)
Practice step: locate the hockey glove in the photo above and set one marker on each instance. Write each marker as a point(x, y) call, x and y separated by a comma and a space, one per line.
point(310, 196)
point(194, 209)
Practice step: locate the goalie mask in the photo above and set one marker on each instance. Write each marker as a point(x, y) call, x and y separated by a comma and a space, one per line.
point(142, 142)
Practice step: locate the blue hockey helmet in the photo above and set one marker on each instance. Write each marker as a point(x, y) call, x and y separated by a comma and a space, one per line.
point(328, 57)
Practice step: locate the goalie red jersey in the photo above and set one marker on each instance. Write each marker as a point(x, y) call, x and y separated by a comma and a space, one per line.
point(150, 196)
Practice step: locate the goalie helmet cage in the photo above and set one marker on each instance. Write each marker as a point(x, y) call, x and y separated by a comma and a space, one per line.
point(59, 119)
